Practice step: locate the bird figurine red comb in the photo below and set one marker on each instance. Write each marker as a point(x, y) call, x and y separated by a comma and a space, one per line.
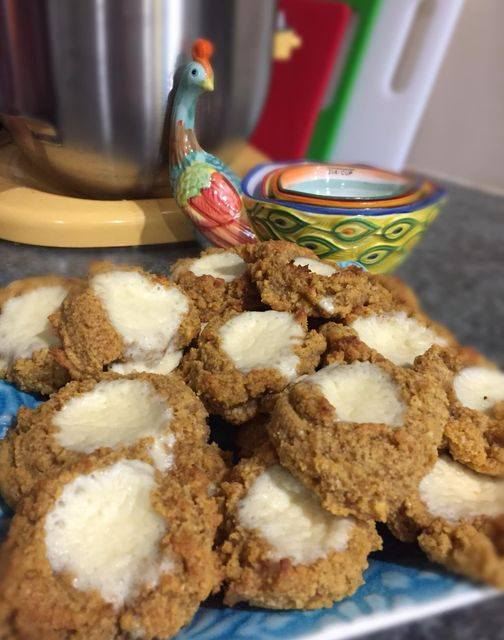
point(202, 52)
point(203, 187)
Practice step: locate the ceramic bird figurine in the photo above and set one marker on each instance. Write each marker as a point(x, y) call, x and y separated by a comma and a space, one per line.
point(204, 188)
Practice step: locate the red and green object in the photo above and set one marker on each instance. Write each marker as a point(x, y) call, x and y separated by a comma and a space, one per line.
point(204, 189)
point(330, 117)
point(298, 85)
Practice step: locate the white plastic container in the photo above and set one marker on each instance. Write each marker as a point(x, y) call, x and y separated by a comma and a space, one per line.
point(396, 78)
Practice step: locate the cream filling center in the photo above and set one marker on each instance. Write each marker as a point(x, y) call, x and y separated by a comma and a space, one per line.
point(228, 266)
point(104, 531)
point(146, 314)
point(479, 388)
point(263, 340)
point(454, 492)
point(116, 413)
point(290, 519)
point(24, 327)
point(315, 266)
point(396, 336)
point(166, 365)
point(361, 392)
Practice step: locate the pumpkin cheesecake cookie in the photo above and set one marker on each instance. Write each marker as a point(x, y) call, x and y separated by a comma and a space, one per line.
point(126, 320)
point(158, 415)
point(292, 278)
point(26, 335)
point(217, 281)
point(109, 549)
point(474, 434)
point(360, 434)
point(398, 335)
point(242, 359)
point(457, 516)
point(280, 548)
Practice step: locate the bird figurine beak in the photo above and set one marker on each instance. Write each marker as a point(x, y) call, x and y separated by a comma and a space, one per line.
point(208, 83)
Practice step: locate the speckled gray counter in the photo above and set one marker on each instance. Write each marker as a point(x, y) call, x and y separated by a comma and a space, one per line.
point(458, 272)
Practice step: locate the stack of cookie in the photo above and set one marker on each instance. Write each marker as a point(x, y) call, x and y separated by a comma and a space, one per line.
point(112, 479)
point(345, 403)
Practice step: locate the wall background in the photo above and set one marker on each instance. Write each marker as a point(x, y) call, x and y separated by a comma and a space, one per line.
point(461, 136)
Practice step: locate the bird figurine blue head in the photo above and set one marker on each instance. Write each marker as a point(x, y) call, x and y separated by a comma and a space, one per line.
point(204, 188)
point(199, 73)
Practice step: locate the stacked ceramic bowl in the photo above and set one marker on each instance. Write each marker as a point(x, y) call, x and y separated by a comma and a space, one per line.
point(351, 214)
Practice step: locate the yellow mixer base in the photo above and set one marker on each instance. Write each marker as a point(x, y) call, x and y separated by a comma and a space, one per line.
point(30, 215)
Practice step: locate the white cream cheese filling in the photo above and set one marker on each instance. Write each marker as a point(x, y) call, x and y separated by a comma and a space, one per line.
point(116, 413)
point(290, 519)
point(228, 266)
point(24, 324)
point(479, 388)
point(315, 266)
point(146, 314)
point(454, 492)
point(263, 340)
point(105, 533)
point(326, 303)
point(166, 365)
point(360, 392)
point(396, 336)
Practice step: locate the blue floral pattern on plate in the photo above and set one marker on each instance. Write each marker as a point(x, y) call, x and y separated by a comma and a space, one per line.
point(401, 585)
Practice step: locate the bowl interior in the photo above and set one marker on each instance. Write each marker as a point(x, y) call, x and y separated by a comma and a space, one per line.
point(343, 182)
point(256, 180)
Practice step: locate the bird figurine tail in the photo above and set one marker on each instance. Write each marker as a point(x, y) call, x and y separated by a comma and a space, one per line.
point(204, 188)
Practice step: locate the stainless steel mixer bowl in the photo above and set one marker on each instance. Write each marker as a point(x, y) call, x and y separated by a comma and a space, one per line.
point(84, 84)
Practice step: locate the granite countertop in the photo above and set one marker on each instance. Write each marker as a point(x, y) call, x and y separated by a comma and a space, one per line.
point(458, 273)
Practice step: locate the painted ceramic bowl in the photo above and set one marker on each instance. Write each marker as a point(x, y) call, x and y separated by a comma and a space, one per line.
point(349, 186)
point(377, 239)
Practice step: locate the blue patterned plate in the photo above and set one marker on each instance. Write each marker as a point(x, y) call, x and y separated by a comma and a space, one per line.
point(400, 586)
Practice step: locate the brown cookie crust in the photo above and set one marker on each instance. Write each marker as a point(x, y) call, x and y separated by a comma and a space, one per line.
point(36, 603)
point(214, 296)
point(360, 469)
point(474, 438)
point(40, 373)
point(30, 451)
point(286, 287)
point(90, 342)
point(251, 576)
point(402, 293)
point(473, 549)
point(226, 391)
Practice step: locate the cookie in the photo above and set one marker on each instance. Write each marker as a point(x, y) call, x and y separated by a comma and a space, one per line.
point(281, 549)
point(242, 359)
point(474, 433)
point(217, 281)
point(292, 278)
point(26, 336)
point(109, 549)
point(126, 320)
point(457, 516)
point(360, 434)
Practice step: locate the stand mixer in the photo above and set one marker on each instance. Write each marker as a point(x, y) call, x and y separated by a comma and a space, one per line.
point(84, 93)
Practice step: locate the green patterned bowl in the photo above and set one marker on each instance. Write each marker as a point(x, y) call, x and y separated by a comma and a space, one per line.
point(377, 239)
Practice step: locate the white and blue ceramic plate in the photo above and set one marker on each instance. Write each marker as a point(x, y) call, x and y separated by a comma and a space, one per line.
point(400, 586)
